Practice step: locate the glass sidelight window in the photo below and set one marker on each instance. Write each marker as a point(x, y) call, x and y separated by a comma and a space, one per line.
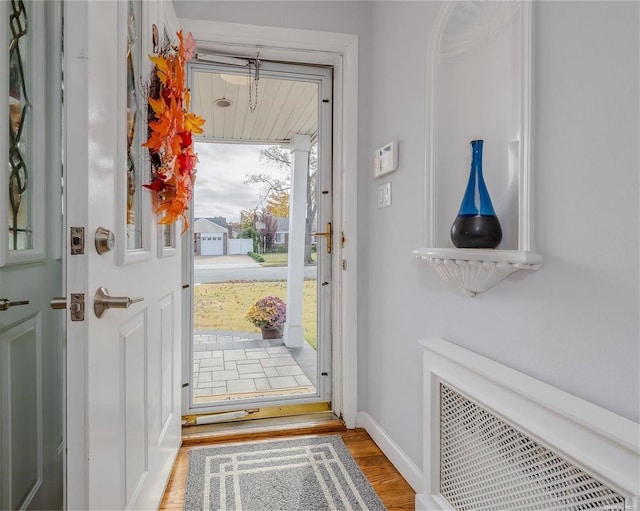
point(20, 130)
point(134, 124)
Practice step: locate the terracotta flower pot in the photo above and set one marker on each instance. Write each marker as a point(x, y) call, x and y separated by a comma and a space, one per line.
point(271, 333)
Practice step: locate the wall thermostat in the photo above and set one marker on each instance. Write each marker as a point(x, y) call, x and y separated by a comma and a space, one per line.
point(385, 159)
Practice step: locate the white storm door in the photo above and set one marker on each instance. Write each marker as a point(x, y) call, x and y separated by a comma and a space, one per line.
point(31, 334)
point(123, 365)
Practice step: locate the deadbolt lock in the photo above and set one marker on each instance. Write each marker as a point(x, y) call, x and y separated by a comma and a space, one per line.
point(105, 240)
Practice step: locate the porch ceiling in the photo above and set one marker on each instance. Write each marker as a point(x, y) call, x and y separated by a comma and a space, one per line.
point(284, 107)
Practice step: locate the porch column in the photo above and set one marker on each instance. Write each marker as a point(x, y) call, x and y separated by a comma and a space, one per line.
point(300, 147)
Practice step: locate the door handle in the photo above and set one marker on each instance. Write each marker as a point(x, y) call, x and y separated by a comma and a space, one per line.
point(76, 308)
point(59, 302)
point(5, 303)
point(104, 301)
point(328, 235)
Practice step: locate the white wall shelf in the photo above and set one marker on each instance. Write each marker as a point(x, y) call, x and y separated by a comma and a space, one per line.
point(476, 270)
point(479, 83)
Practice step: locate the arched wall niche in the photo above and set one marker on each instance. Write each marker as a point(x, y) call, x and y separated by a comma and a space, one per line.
point(479, 87)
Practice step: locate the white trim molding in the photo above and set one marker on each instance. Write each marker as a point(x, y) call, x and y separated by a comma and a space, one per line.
point(407, 468)
point(602, 444)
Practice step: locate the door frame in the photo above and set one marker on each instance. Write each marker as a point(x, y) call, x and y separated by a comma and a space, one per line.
point(341, 52)
point(75, 69)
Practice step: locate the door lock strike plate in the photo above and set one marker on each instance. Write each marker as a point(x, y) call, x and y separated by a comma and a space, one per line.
point(77, 240)
point(76, 308)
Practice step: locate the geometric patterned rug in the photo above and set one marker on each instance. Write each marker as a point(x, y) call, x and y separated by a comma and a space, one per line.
point(301, 474)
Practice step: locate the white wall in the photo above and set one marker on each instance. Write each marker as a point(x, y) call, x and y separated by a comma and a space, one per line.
point(574, 324)
point(348, 17)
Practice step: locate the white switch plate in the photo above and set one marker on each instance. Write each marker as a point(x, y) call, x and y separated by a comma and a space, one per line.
point(384, 195)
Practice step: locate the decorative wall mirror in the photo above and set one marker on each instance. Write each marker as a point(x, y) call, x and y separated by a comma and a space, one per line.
point(479, 88)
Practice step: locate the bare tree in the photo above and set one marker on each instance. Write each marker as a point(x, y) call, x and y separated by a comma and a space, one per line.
point(271, 184)
point(280, 157)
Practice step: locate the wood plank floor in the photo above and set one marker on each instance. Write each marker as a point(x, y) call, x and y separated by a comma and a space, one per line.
point(393, 490)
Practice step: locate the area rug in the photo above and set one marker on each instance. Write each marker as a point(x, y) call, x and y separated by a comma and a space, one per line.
point(301, 474)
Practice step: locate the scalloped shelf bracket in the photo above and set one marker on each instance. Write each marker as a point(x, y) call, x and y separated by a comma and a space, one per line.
point(475, 271)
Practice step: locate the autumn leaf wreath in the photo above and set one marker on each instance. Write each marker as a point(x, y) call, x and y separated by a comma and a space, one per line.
point(171, 129)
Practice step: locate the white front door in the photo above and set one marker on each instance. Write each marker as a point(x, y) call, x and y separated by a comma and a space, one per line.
point(31, 334)
point(123, 381)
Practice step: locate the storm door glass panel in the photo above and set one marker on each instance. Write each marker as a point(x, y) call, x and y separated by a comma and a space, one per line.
point(135, 126)
point(20, 229)
point(261, 325)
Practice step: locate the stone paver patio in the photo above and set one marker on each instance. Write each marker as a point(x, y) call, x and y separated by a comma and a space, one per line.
point(239, 365)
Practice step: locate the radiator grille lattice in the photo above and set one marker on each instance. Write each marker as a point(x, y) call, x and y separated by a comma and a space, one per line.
point(486, 464)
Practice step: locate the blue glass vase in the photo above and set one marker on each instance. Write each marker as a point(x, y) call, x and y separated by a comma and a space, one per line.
point(476, 225)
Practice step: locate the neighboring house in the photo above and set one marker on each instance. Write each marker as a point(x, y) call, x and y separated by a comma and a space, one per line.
point(214, 236)
point(281, 237)
point(210, 236)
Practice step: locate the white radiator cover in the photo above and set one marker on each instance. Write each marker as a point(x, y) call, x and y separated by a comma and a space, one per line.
point(496, 439)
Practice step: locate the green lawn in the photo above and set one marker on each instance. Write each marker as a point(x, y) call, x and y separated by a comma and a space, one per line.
point(223, 306)
point(279, 259)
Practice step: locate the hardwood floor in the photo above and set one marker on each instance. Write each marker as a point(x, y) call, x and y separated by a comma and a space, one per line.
point(393, 490)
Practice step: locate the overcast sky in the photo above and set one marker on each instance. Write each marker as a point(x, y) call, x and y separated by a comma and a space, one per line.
point(219, 188)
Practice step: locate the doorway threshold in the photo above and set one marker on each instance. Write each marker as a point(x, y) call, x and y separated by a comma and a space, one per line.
point(313, 423)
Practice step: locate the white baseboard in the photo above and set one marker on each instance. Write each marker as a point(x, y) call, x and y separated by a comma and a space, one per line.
point(421, 503)
point(404, 465)
point(426, 502)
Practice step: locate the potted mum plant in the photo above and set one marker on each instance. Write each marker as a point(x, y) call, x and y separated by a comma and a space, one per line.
point(268, 314)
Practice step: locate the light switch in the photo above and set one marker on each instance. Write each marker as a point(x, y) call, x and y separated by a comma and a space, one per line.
point(384, 195)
